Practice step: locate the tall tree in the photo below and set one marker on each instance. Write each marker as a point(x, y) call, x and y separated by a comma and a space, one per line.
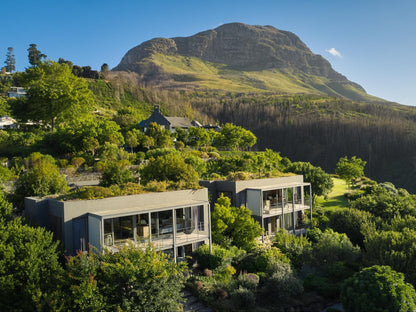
point(233, 224)
point(10, 60)
point(349, 169)
point(35, 56)
point(54, 94)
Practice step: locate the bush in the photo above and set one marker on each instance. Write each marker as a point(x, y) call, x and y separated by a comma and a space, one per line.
point(115, 174)
point(378, 288)
point(246, 280)
point(282, 284)
point(294, 247)
point(261, 260)
point(219, 256)
point(243, 298)
point(352, 222)
point(156, 186)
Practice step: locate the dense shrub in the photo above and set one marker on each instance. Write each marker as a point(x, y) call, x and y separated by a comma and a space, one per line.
point(378, 288)
point(219, 256)
point(352, 222)
point(294, 247)
point(243, 299)
point(282, 283)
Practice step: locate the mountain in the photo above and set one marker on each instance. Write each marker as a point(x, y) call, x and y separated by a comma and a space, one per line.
point(239, 58)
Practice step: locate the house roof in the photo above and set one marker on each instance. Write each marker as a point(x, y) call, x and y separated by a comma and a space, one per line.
point(180, 122)
point(148, 208)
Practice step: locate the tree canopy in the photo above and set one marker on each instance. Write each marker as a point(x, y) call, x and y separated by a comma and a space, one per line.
point(233, 224)
point(35, 56)
point(54, 94)
point(349, 169)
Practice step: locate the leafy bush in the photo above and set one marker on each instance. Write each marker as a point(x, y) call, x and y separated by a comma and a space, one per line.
point(156, 186)
point(115, 174)
point(352, 222)
point(243, 298)
point(282, 283)
point(378, 288)
point(294, 247)
point(170, 167)
point(220, 256)
point(246, 280)
point(332, 247)
point(396, 249)
point(261, 260)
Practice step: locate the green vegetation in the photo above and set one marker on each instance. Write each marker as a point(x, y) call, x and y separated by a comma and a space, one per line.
point(232, 225)
point(378, 288)
point(368, 224)
point(336, 198)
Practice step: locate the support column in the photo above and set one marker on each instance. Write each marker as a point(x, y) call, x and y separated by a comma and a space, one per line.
point(293, 210)
point(310, 201)
point(174, 233)
point(209, 229)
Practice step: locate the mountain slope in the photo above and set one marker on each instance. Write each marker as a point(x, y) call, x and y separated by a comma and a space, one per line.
point(239, 58)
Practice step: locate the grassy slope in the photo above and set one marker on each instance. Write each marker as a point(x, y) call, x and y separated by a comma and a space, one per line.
point(206, 75)
point(336, 198)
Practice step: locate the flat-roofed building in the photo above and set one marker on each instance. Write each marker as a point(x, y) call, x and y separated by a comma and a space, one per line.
point(274, 202)
point(175, 222)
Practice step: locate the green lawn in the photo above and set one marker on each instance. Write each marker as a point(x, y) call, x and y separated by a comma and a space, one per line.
point(336, 198)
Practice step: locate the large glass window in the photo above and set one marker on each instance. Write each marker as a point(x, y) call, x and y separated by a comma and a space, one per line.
point(288, 221)
point(184, 220)
point(143, 228)
point(123, 229)
point(162, 224)
point(118, 230)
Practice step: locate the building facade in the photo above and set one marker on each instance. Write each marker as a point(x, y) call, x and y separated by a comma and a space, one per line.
point(175, 222)
point(274, 202)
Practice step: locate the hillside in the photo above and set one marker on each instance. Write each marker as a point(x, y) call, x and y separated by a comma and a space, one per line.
point(239, 58)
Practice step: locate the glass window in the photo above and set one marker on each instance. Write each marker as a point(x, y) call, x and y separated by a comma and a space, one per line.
point(123, 229)
point(201, 220)
point(108, 232)
point(142, 222)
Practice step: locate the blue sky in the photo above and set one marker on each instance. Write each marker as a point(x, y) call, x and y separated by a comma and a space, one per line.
point(375, 39)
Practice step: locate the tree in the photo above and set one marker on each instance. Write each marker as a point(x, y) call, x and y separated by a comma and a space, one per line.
point(232, 224)
point(30, 271)
point(235, 137)
point(40, 180)
point(35, 56)
point(378, 288)
point(321, 182)
point(349, 169)
point(10, 60)
point(115, 174)
point(170, 167)
point(54, 94)
point(162, 137)
point(104, 68)
point(131, 140)
point(133, 279)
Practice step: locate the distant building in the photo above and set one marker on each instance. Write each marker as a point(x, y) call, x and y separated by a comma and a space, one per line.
point(169, 123)
point(175, 222)
point(15, 92)
point(7, 122)
point(274, 202)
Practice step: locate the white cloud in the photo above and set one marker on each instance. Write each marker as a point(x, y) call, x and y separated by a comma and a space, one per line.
point(334, 52)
